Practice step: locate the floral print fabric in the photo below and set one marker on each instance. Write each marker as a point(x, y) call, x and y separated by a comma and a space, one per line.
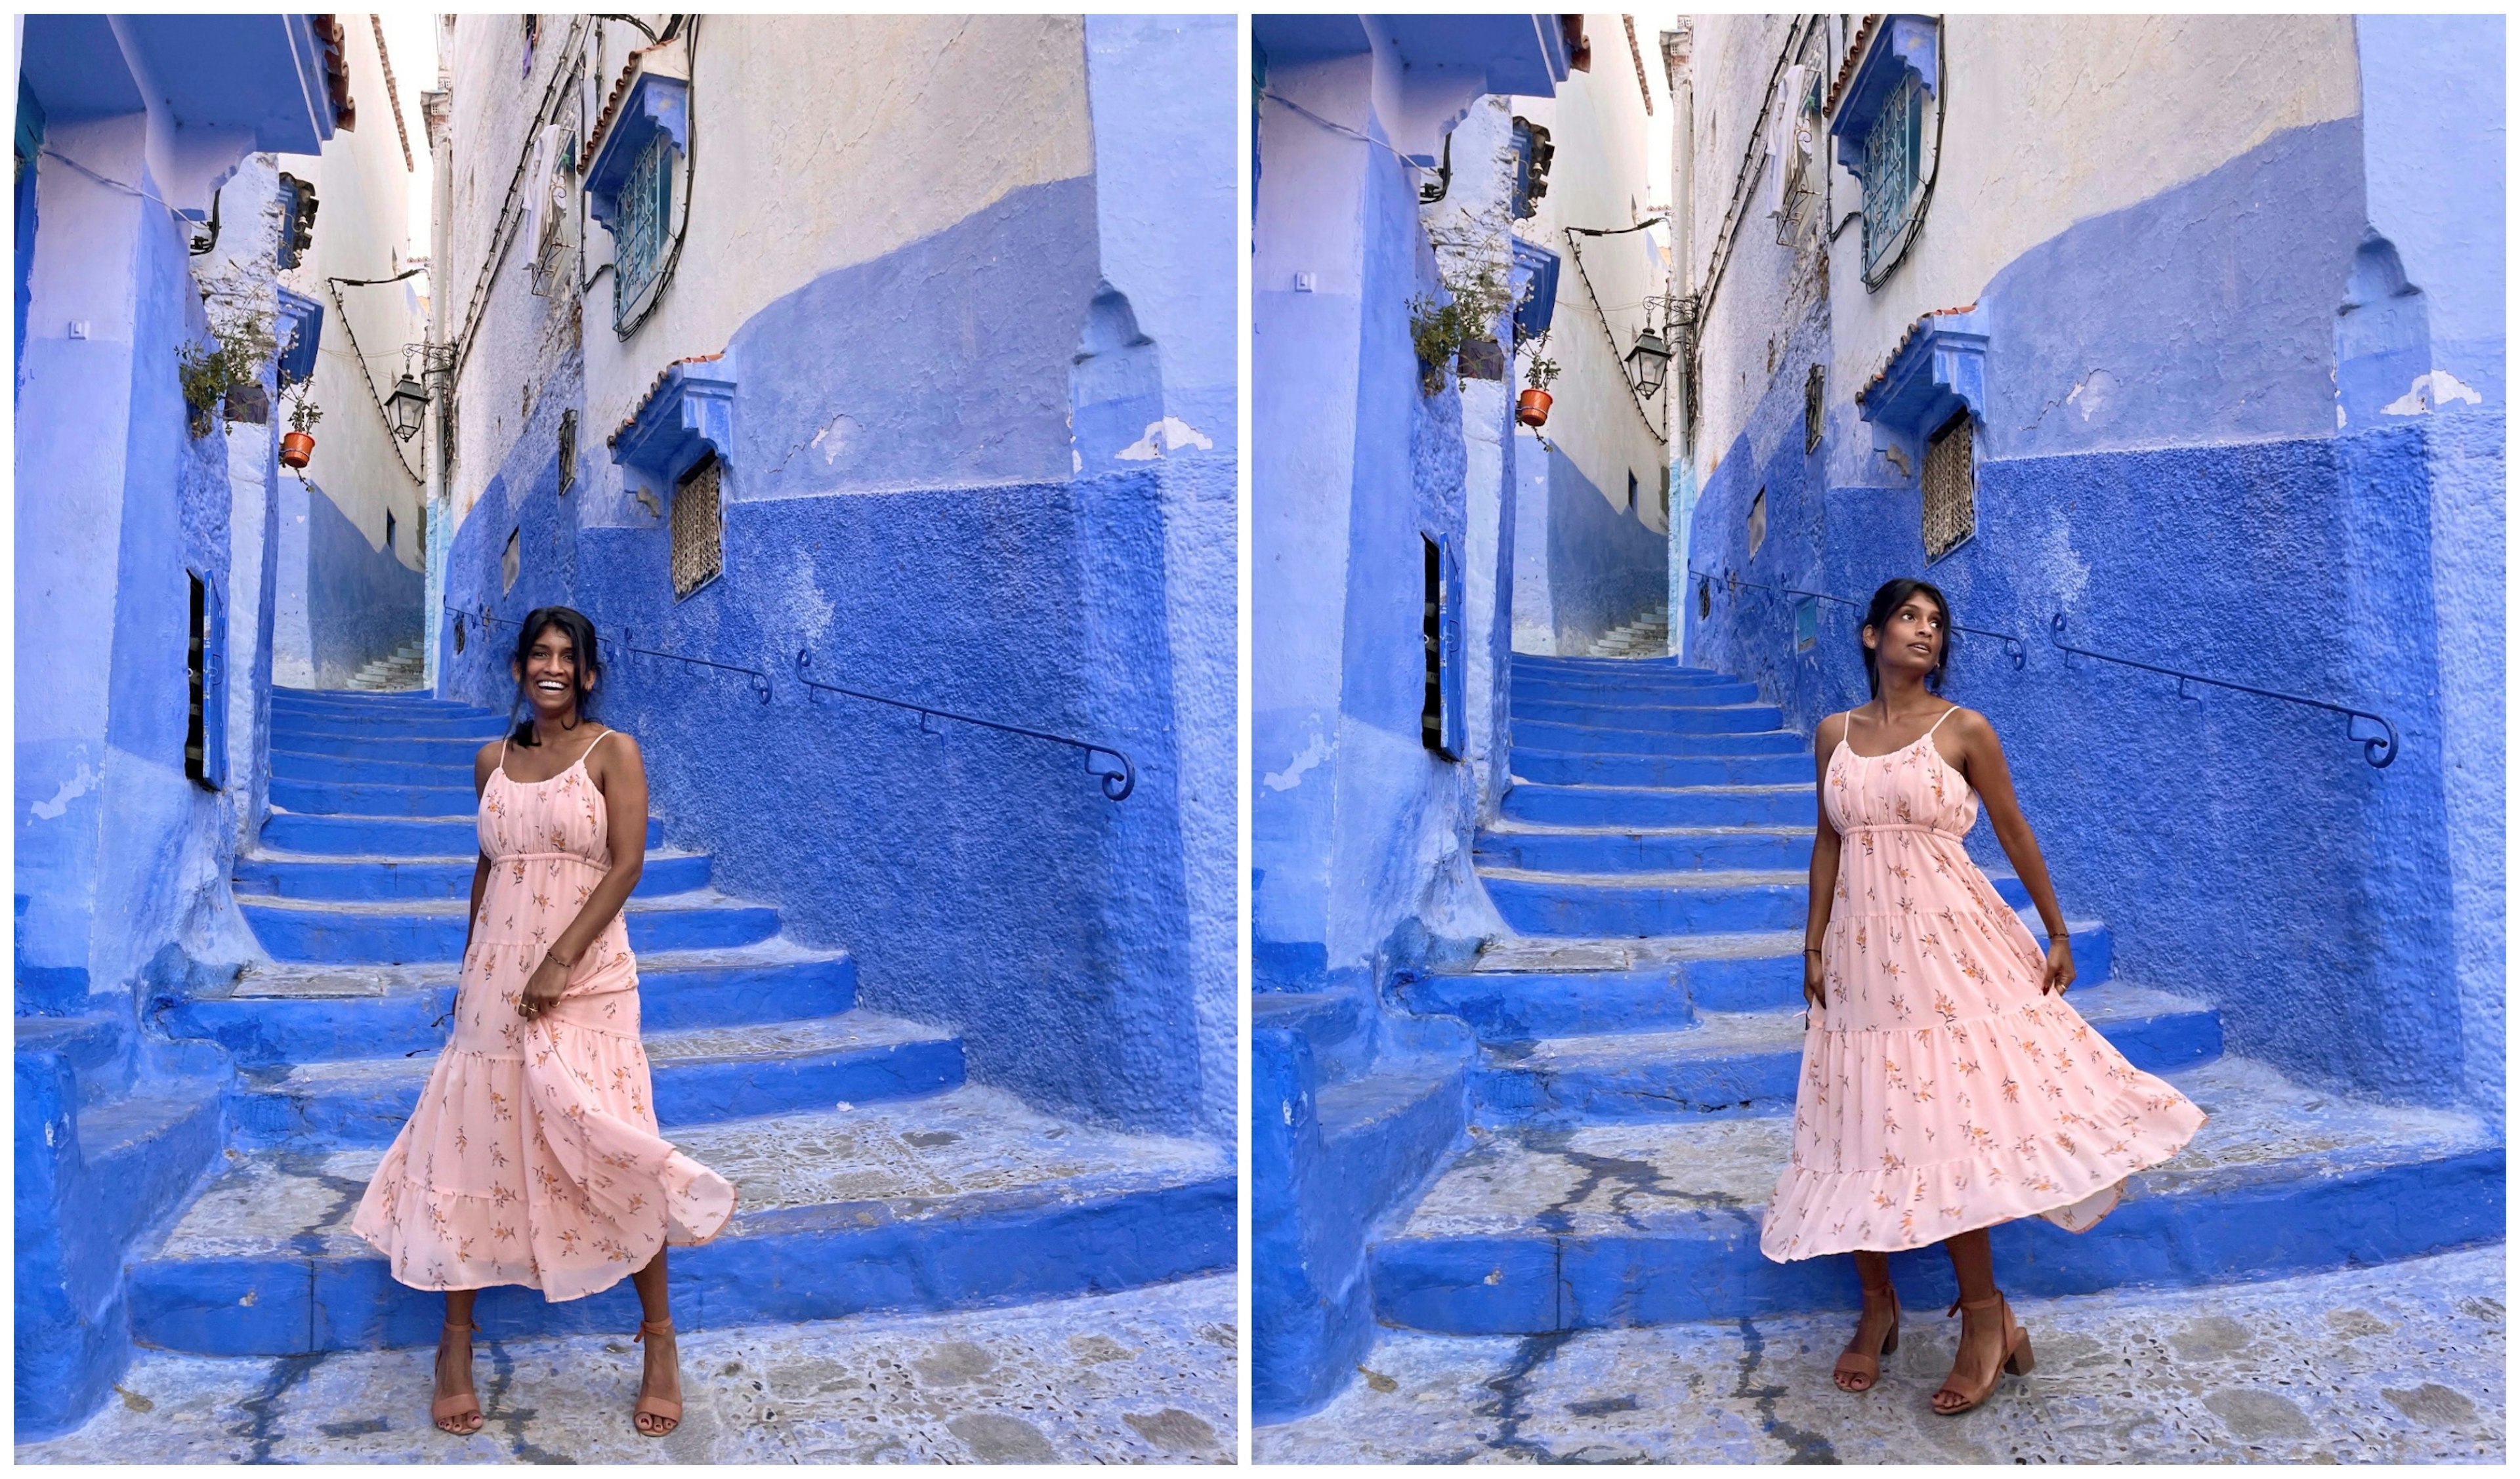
point(533, 1157)
point(1941, 1090)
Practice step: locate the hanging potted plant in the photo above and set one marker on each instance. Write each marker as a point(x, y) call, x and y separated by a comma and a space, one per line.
point(1531, 408)
point(297, 447)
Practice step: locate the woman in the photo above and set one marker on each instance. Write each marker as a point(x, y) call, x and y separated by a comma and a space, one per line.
point(533, 1156)
point(1945, 1086)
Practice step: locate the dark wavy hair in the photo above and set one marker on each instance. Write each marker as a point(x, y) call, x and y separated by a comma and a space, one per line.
point(581, 640)
point(1887, 600)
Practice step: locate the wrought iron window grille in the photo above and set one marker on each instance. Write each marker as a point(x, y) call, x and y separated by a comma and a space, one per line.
point(699, 527)
point(1950, 485)
point(646, 216)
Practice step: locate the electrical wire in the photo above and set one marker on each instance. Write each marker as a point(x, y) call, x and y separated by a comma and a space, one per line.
point(1283, 101)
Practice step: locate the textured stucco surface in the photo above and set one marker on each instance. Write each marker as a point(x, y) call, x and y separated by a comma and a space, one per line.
point(1143, 1376)
point(2101, 509)
point(2401, 1365)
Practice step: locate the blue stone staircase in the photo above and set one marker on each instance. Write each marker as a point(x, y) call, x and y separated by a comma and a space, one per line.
point(871, 1174)
point(1638, 1038)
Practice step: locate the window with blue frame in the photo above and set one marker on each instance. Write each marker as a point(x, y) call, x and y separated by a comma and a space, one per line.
point(1532, 153)
point(646, 211)
point(1887, 127)
point(1890, 171)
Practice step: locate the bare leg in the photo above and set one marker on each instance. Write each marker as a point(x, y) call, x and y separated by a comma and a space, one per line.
point(1981, 1348)
point(455, 1361)
point(663, 1376)
point(1873, 1326)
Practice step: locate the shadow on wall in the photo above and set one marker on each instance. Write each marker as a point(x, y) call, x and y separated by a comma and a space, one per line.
point(1605, 567)
point(361, 602)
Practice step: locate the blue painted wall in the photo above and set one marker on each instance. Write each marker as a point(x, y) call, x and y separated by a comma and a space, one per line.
point(1605, 567)
point(916, 514)
point(2197, 507)
point(362, 602)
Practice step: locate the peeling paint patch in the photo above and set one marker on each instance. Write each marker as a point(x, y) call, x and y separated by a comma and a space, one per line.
point(2430, 390)
point(1292, 776)
point(1172, 432)
point(71, 789)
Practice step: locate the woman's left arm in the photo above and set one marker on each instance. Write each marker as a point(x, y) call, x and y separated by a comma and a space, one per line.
point(622, 778)
point(1982, 763)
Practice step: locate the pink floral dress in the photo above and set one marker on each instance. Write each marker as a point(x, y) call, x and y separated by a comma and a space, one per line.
point(533, 1157)
point(1941, 1091)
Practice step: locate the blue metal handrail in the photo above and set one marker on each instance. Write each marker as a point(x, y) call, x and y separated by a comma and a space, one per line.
point(2012, 646)
point(761, 679)
point(1116, 783)
point(2378, 750)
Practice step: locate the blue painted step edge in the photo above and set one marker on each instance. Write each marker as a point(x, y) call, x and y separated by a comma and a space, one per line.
point(842, 1260)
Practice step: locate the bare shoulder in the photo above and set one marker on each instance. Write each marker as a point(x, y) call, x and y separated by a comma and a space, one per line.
point(613, 753)
point(486, 759)
point(1826, 734)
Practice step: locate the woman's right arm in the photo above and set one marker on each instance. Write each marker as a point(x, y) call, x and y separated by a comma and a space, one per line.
point(1824, 861)
point(482, 764)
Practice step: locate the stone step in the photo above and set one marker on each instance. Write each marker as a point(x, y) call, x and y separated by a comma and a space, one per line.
point(1521, 989)
point(354, 877)
point(1646, 681)
point(347, 742)
point(959, 1200)
point(287, 831)
point(1579, 738)
point(1747, 1062)
point(1737, 716)
point(294, 1014)
point(144, 1151)
point(702, 1075)
point(296, 729)
point(337, 799)
point(404, 932)
point(1603, 768)
point(1646, 692)
point(298, 764)
point(1618, 849)
point(1664, 806)
point(334, 697)
point(99, 1049)
point(1673, 901)
point(1548, 1228)
point(1608, 666)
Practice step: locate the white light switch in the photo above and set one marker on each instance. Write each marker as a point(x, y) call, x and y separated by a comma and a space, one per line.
point(79, 328)
point(1303, 281)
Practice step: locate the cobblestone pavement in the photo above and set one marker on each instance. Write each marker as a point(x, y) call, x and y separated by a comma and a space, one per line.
point(1144, 1376)
point(2398, 1364)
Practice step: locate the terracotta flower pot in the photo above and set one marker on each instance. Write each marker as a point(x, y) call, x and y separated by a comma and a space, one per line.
point(1531, 408)
point(295, 448)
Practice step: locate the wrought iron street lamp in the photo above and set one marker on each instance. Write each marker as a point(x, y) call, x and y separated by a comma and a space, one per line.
point(407, 408)
point(1649, 362)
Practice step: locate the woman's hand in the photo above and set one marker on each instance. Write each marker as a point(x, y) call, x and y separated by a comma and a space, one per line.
point(2060, 967)
point(1813, 994)
point(543, 988)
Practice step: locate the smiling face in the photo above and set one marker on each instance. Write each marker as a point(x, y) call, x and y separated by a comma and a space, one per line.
point(549, 675)
point(1911, 644)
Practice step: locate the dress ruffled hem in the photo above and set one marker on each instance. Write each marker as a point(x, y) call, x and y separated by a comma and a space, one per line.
point(544, 1169)
point(2075, 1186)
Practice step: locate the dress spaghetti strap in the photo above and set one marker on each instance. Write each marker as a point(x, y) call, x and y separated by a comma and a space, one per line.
point(1928, 735)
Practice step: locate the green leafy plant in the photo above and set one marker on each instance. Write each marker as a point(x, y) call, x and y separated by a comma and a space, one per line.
point(234, 356)
point(304, 413)
point(1439, 330)
point(1539, 373)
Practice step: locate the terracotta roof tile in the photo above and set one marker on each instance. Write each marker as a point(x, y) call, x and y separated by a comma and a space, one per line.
point(620, 89)
point(1846, 70)
point(1904, 339)
point(656, 385)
